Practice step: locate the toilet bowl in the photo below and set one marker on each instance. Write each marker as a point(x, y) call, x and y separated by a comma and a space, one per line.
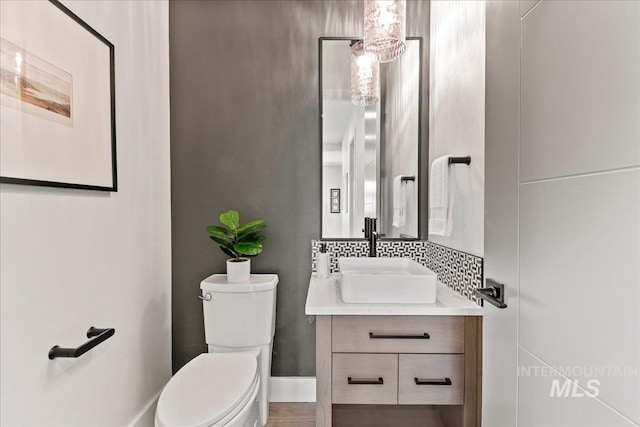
point(228, 386)
point(214, 389)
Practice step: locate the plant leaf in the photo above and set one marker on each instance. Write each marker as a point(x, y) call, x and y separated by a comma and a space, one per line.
point(245, 238)
point(228, 252)
point(251, 237)
point(248, 248)
point(248, 225)
point(231, 219)
point(256, 228)
point(219, 232)
point(223, 243)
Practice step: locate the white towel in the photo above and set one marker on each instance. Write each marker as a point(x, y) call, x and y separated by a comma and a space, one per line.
point(399, 202)
point(440, 221)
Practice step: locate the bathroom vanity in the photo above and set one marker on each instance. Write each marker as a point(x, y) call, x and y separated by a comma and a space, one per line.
point(396, 364)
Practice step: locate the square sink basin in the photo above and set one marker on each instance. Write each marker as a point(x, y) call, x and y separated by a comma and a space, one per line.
point(386, 281)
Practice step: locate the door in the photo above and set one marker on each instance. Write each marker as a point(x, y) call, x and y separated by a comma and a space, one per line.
point(563, 213)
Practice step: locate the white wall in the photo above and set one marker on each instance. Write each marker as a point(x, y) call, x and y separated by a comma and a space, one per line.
point(579, 221)
point(402, 97)
point(71, 259)
point(354, 196)
point(500, 326)
point(456, 113)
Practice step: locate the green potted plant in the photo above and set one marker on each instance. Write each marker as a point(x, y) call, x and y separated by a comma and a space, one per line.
point(240, 242)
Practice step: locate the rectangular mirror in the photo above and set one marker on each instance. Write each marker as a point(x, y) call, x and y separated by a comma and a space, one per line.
point(370, 155)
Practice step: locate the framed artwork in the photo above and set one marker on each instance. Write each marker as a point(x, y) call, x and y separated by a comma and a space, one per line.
point(57, 99)
point(335, 200)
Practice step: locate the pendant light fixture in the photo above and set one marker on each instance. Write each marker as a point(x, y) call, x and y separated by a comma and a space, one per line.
point(365, 71)
point(385, 28)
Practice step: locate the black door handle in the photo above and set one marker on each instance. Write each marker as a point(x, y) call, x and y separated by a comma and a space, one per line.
point(493, 293)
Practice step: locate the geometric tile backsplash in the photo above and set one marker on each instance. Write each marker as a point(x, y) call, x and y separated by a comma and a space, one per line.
point(459, 270)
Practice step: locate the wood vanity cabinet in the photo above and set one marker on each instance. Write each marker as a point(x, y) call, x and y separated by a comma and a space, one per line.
point(398, 371)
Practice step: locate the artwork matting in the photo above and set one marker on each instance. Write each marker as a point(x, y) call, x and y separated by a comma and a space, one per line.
point(57, 99)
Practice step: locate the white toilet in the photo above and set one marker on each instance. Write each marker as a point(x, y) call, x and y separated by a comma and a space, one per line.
point(229, 385)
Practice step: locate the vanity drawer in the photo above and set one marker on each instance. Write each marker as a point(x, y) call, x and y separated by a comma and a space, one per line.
point(365, 378)
point(431, 379)
point(398, 334)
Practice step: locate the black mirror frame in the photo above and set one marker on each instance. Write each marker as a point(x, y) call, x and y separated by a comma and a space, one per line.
point(423, 151)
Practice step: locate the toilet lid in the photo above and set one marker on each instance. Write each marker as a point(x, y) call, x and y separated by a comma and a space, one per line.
point(206, 389)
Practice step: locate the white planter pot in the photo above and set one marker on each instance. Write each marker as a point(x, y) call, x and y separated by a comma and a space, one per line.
point(238, 271)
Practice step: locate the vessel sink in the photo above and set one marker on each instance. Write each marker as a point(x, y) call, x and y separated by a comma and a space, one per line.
point(386, 281)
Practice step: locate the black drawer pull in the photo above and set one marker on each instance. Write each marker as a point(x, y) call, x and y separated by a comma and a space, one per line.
point(365, 381)
point(423, 381)
point(423, 336)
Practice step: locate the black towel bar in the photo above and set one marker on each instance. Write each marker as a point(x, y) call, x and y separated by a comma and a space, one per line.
point(98, 336)
point(460, 160)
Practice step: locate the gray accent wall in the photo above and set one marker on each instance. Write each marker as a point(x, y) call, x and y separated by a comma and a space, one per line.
point(244, 136)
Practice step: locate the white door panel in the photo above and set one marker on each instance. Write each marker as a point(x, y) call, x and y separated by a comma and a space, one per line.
point(570, 406)
point(562, 128)
point(579, 252)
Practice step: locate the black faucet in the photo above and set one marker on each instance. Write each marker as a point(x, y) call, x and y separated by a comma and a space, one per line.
point(371, 234)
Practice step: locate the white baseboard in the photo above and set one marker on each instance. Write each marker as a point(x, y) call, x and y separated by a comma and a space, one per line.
point(292, 389)
point(146, 416)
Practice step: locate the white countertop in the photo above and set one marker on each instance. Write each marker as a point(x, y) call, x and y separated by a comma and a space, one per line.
point(323, 299)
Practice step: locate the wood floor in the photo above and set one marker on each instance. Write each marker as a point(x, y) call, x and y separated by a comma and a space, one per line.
point(292, 415)
point(304, 415)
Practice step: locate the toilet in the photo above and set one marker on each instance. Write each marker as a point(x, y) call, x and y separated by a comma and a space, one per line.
point(228, 386)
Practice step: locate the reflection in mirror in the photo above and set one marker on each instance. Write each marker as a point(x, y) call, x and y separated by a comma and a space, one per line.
point(370, 155)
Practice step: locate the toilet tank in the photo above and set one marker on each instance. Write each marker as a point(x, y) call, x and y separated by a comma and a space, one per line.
point(239, 314)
